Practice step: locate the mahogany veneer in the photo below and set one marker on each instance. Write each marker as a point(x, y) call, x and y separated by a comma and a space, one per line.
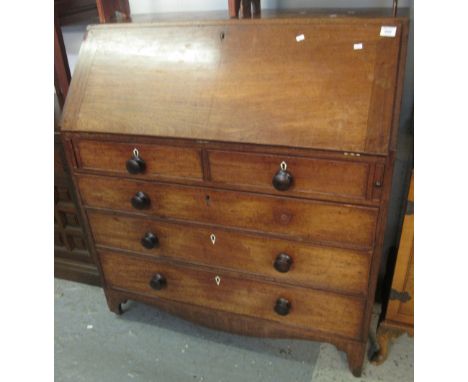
point(238, 175)
point(329, 268)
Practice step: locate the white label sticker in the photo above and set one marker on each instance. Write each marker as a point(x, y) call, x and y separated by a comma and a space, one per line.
point(388, 31)
point(300, 38)
point(358, 46)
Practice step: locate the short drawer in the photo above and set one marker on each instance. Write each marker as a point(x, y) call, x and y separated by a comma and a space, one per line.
point(307, 176)
point(159, 161)
point(307, 308)
point(301, 219)
point(281, 260)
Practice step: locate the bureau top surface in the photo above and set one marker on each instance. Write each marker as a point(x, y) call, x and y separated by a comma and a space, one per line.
point(320, 82)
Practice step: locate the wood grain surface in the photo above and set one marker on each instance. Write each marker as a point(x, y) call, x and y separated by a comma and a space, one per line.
point(161, 160)
point(308, 220)
point(324, 311)
point(320, 267)
point(310, 176)
point(213, 108)
point(400, 312)
point(319, 175)
point(241, 82)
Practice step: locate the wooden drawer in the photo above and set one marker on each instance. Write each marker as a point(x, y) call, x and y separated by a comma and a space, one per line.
point(301, 219)
point(310, 176)
point(161, 161)
point(321, 311)
point(322, 267)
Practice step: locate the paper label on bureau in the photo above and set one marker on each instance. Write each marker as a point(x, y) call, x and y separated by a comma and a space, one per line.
point(300, 38)
point(388, 31)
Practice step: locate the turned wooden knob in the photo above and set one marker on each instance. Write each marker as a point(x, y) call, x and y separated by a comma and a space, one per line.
point(283, 178)
point(140, 200)
point(282, 306)
point(283, 262)
point(158, 282)
point(150, 240)
point(136, 165)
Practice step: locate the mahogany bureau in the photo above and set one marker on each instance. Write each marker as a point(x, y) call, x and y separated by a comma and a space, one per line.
point(237, 173)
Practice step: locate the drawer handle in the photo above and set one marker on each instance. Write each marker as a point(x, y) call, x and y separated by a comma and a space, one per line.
point(283, 262)
point(282, 306)
point(158, 282)
point(283, 178)
point(150, 240)
point(136, 165)
point(140, 201)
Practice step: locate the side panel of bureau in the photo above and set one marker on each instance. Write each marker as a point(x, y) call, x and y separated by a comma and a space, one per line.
point(323, 311)
point(319, 222)
point(322, 267)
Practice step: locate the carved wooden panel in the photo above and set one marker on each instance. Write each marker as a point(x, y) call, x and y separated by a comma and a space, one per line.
point(72, 257)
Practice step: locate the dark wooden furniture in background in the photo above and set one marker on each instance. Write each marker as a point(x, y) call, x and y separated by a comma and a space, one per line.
point(398, 314)
point(113, 10)
point(62, 75)
point(68, 11)
point(238, 174)
point(72, 259)
point(244, 8)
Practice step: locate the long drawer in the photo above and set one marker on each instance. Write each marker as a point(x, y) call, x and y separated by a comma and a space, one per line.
point(301, 307)
point(301, 219)
point(282, 260)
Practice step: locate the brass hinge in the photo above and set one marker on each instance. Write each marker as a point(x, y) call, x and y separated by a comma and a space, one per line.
point(400, 296)
point(409, 208)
